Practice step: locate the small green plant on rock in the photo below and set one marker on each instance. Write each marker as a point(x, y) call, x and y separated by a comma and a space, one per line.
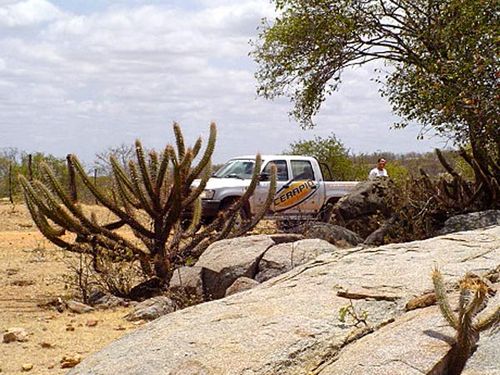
point(358, 317)
point(467, 324)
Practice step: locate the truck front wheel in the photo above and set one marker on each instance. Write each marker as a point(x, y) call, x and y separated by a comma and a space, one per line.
point(243, 215)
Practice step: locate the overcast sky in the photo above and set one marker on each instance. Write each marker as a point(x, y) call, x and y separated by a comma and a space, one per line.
point(79, 76)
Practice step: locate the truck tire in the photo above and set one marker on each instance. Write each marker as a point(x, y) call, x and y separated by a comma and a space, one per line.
point(243, 214)
point(325, 213)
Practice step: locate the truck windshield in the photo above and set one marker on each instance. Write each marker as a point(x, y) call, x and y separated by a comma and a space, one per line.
point(238, 168)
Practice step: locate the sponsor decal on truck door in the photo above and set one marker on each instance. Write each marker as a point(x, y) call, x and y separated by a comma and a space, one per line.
point(293, 194)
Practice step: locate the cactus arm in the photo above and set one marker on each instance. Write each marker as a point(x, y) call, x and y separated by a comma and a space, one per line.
point(120, 174)
point(145, 179)
point(197, 147)
point(82, 224)
point(37, 209)
point(263, 210)
point(489, 321)
point(442, 299)
point(53, 234)
point(79, 224)
point(153, 169)
point(127, 198)
point(184, 167)
point(254, 181)
point(163, 168)
point(228, 218)
point(48, 206)
point(134, 224)
point(196, 219)
point(173, 206)
point(195, 193)
point(114, 225)
point(179, 139)
point(206, 156)
point(139, 191)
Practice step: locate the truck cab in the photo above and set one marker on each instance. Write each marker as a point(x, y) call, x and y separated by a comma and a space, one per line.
point(301, 189)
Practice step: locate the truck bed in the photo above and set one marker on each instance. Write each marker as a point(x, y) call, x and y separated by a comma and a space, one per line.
point(340, 188)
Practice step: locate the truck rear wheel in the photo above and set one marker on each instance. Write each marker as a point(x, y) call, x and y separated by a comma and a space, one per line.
point(325, 213)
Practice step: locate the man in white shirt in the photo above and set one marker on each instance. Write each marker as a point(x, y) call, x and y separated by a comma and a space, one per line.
point(379, 171)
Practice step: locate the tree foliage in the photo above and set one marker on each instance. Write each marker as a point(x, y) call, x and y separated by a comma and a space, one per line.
point(443, 57)
point(14, 162)
point(332, 152)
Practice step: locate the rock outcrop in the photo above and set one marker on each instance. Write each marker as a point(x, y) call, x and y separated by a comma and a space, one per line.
point(335, 234)
point(151, 309)
point(473, 220)
point(369, 197)
point(254, 257)
point(290, 324)
point(284, 257)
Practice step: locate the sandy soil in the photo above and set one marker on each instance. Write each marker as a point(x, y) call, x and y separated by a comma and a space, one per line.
point(31, 273)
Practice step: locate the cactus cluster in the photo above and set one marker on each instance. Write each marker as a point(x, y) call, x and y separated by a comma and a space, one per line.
point(457, 193)
point(467, 324)
point(149, 197)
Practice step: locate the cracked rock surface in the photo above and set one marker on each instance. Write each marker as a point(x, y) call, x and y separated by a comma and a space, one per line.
point(290, 324)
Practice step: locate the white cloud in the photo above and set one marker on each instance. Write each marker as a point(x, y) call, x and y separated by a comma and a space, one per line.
point(27, 12)
point(83, 81)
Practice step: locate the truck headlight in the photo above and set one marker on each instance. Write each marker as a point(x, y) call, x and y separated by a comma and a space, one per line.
point(207, 194)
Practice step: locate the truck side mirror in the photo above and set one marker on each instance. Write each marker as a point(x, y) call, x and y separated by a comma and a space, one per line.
point(264, 176)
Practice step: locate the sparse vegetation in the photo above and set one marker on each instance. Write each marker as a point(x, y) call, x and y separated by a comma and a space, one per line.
point(357, 317)
point(444, 57)
point(150, 197)
point(468, 325)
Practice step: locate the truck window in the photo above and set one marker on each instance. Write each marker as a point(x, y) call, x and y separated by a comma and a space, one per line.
point(281, 169)
point(302, 170)
point(236, 168)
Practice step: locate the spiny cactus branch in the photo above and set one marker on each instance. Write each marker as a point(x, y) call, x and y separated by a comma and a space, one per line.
point(473, 297)
point(443, 303)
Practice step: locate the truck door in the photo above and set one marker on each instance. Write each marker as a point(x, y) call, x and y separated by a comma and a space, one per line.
point(282, 177)
point(306, 182)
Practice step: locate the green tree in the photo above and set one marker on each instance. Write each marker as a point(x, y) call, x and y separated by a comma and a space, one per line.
point(330, 151)
point(443, 54)
point(8, 161)
point(16, 162)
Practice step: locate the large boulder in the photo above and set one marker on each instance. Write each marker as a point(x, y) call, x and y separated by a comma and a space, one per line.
point(335, 234)
point(240, 285)
point(290, 324)
point(151, 309)
point(471, 221)
point(227, 260)
point(284, 257)
point(188, 281)
point(369, 197)
point(397, 348)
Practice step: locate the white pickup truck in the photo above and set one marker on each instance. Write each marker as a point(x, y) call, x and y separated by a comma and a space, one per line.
point(301, 190)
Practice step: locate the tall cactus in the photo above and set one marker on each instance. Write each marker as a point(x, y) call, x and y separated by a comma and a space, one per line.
point(472, 299)
point(158, 187)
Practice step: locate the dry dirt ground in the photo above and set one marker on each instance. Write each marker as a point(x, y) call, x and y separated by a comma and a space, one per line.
point(32, 273)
